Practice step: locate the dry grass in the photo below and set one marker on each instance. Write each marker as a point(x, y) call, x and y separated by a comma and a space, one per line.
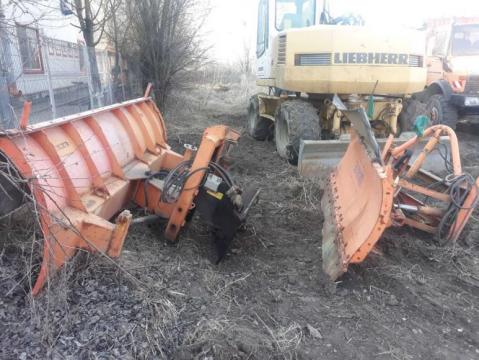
point(402, 272)
point(231, 313)
point(200, 103)
point(224, 337)
point(286, 338)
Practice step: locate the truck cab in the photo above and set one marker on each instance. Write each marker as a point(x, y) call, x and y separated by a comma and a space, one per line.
point(453, 68)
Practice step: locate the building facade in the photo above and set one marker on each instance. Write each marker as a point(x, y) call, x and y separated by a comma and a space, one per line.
point(43, 59)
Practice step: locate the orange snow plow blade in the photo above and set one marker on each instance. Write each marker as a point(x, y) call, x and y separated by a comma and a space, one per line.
point(83, 170)
point(371, 190)
point(357, 205)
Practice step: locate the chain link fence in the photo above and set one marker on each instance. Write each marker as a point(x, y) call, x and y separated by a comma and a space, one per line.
point(57, 77)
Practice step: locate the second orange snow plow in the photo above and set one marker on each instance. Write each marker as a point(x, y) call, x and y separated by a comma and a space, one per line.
point(83, 170)
point(371, 190)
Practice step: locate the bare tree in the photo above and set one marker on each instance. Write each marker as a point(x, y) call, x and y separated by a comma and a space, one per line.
point(35, 9)
point(245, 60)
point(164, 38)
point(116, 35)
point(91, 21)
point(113, 31)
point(23, 6)
point(93, 15)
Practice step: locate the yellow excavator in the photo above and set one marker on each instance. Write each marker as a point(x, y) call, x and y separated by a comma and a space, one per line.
point(308, 52)
point(336, 95)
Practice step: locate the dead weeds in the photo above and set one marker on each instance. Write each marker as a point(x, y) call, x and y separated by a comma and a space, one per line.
point(410, 299)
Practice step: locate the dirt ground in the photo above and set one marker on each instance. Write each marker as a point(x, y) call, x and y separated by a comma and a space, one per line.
point(268, 300)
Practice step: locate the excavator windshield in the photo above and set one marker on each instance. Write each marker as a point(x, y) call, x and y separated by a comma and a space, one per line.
point(341, 12)
point(292, 14)
point(465, 40)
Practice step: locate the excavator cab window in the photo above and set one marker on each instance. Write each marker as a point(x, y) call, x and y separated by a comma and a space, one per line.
point(263, 31)
point(293, 14)
point(465, 40)
point(341, 12)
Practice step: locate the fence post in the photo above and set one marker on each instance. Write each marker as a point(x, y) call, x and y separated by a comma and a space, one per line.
point(121, 76)
point(90, 85)
point(110, 91)
point(5, 110)
point(51, 91)
point(6, 114)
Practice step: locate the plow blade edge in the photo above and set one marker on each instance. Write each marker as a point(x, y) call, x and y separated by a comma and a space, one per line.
point(357, 204)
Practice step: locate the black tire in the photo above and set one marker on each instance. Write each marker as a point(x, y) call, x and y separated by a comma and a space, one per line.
point(411, 110)
point(440, 111)
point(259, 128)
point(295, 120)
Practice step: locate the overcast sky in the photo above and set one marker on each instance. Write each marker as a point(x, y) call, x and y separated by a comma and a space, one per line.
point(233, 22)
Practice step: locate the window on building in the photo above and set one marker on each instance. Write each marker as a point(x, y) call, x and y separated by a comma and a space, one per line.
point(30, 51)
point(262, 39)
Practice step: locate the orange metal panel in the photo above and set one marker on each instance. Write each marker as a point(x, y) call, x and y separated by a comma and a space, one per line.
point(94, 147)
point(116, 167)
point(360, 197)
point(156, 120)
point(76, 168)
point(363, 198)
point(152, 123)
point(117, 138)
point(465, 213)
point(38, 165)
point(79, 145)
point(27, 108)
point(146, 129)
point(158, 113)
point(134, 132)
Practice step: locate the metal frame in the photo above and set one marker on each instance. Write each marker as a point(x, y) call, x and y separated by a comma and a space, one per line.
point(366, 195)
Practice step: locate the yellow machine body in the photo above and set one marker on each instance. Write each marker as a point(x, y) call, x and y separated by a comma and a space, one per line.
point(328, 59)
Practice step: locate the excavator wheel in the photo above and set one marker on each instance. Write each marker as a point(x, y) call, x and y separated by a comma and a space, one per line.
point(258, 127)
point(441, 111)
point(412, 108)
point(295, 120)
